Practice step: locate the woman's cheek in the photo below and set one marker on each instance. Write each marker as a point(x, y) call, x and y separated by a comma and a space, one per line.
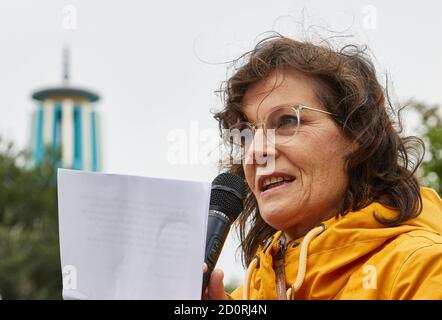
point(250, 176)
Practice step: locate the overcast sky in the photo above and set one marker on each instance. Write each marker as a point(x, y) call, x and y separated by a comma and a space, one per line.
point(156, 64)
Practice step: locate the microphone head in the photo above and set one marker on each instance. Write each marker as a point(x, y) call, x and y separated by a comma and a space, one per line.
point(227, 195)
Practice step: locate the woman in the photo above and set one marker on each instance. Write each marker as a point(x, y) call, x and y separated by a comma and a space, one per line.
point(334, 209)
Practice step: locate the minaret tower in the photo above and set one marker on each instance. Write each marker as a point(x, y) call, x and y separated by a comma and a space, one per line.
point(66, 121)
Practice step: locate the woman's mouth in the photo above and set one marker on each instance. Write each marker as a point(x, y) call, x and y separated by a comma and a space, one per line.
point(273, 182)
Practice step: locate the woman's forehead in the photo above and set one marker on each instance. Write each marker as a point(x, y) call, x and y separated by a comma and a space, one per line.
point(279, 88)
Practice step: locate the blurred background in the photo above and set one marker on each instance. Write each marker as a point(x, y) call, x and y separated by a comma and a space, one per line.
point(106, 85)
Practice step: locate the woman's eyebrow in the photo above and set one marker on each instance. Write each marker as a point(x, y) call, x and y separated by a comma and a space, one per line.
point(288, 104)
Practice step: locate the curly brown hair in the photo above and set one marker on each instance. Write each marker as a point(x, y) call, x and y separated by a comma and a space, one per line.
point(381, 168)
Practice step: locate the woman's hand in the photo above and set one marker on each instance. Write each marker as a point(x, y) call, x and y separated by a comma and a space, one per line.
point(215, 289)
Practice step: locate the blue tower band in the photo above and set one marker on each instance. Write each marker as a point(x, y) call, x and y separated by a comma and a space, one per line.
point(66, 121)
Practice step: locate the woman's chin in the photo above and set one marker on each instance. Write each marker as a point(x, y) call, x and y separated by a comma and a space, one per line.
point(277, 216)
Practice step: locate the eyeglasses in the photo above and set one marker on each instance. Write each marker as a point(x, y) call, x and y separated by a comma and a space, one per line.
point(279, 127)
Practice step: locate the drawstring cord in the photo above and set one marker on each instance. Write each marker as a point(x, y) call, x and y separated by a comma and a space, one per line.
point(301, 269)
point(250, 269)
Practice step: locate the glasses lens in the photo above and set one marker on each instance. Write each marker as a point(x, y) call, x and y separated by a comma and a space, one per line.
point(284, 122)
point(281, 125)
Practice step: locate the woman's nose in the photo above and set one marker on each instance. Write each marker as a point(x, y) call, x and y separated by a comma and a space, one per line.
point(262, 149)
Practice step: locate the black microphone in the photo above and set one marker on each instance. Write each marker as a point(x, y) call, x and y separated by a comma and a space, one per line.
point(226, 203)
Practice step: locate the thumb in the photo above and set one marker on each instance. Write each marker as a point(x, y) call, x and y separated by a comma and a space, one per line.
point(216, 285)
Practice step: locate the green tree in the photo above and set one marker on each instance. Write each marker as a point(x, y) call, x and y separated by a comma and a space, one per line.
point(430, 130)
point(29, 246)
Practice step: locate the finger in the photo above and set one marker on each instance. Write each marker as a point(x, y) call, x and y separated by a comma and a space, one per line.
point(206, 294)
point(216, 286)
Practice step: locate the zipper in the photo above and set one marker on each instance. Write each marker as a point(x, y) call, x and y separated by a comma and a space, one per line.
point(279, 267)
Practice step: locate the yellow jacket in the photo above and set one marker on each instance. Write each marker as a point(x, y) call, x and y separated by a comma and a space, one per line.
point(355, 257)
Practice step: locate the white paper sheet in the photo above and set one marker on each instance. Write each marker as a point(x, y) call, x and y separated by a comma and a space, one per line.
point(129, 237)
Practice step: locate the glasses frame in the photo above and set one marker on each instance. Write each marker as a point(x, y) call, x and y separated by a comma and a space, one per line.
point(296, 108)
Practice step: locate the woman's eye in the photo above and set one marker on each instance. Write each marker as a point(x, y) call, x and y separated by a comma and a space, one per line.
point(287, 121)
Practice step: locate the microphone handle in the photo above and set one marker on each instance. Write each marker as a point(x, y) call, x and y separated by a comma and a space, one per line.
point(218, 226)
